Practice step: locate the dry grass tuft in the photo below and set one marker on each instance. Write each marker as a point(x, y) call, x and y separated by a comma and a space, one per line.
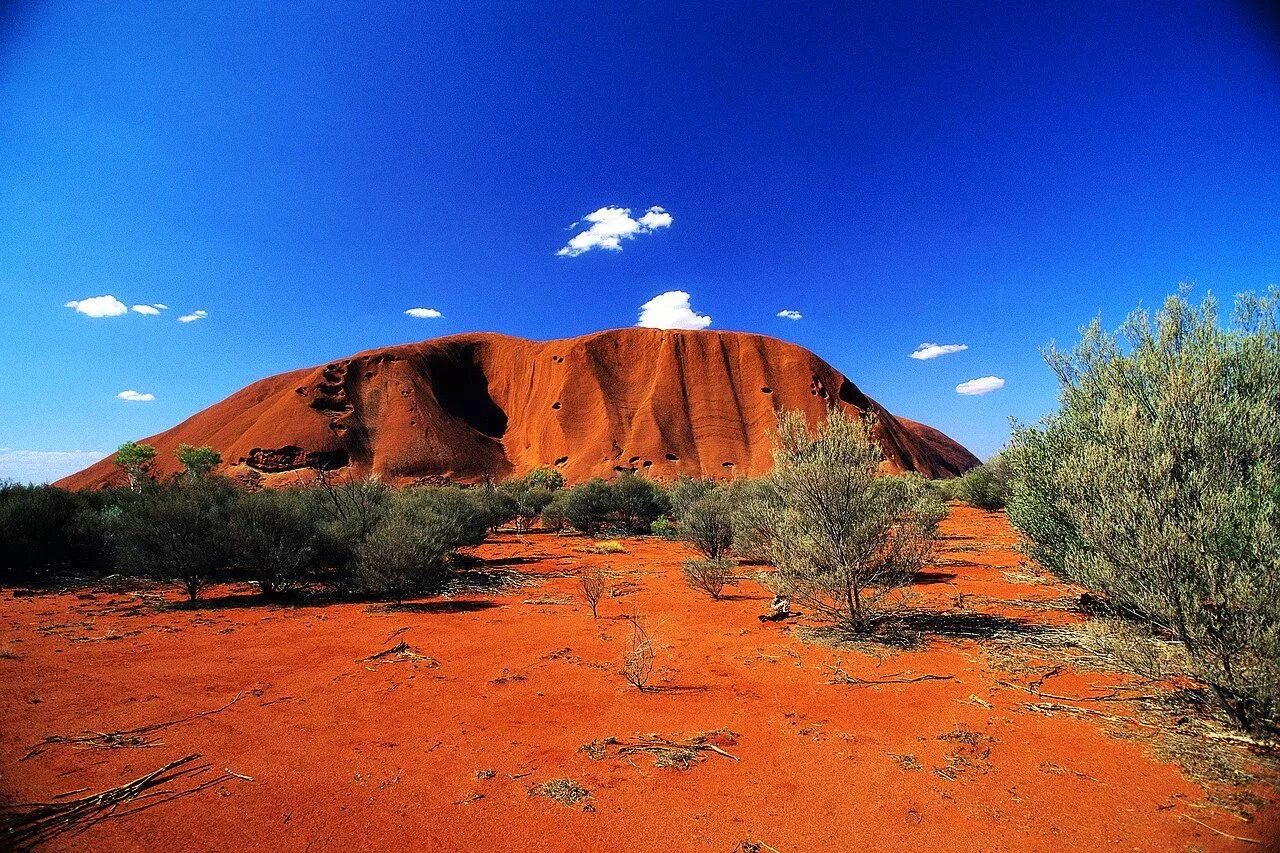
point(566, 792)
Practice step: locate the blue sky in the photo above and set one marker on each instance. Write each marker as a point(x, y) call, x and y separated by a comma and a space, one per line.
point(991, 175)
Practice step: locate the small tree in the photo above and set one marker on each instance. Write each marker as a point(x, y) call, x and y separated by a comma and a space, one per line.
point(1157, 484)
point(637, 501)
point(842, 537)
point(587, 506)
point(274, 539)
point(135, 460)
point(707, 523)
point(177, 534)
point(545, 478)
point(198, 461)
point(709, 576)
point(685, 491)
point(592, 585)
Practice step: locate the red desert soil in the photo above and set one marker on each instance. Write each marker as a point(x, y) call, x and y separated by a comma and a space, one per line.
point(441, 754)
point(486, 405)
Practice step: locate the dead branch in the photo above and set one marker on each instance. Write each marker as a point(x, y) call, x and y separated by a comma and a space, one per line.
point(1114, 696)
point(28, 824)
point(666, 752)
point(129, 738)
point(400, 651)
point(1220, 832)
point(839, 676)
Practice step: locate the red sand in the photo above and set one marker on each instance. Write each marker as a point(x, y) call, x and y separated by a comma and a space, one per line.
point(348, 755)
point(485, 405)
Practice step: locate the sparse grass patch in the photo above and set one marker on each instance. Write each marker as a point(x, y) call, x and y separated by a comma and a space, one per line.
point(666, 752)
point(605, 546)
point(564, 791)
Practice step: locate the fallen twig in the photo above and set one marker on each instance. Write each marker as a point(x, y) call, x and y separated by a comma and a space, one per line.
point(1223, 834)
point(129, 738)
point(28, 824)
point(666, 752)
point(839, 676)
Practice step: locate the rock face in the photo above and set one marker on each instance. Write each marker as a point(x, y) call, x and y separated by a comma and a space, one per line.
point(466, 407)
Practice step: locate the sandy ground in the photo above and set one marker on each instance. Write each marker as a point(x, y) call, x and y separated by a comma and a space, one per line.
point(442, 753)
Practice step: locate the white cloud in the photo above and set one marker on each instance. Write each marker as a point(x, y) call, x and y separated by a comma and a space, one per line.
point(671, 310)
point(788, 314)
point(98, 306)
point(198, 314)
point(44, 466)
point(609, 226)
point(149, 310)
point(924, 352)
point(981, 385)
point(135, 396)
point(424, 313)
point(161, 306)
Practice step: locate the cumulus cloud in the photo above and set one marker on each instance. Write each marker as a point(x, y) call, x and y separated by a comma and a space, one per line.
point(924, 352)
point(198, 314)
point(609, 226)
point(424, 313)
point(149, 310)
point(788, 314)
point(671, 310)
point(132, 396)
point(98, 306)
point(44, 466)
point(981, 385)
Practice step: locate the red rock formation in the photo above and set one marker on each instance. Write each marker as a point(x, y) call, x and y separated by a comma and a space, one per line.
point(471, 406)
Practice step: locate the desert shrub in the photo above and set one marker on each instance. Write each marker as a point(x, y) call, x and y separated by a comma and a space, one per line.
point(606, 546)
point(553, 516)
point(466, 514)
point(177, 533)
point(135, 459)
point(664, 528)
point(1157, 484)
point(545, 478)
point(986, 486)
point(345, 514)
point(709, 576)
point(686, 491)
point(47, 532)
point(752, 502)
point(946, 490)
point(707, 523)
point(588, 506)
point(527, 501)
point(404, 554)
point(198, 461)
point(495, 505)
point(842, 537)
point(637, 501)
point(273, 539)
point(637, 663)
point(592, 584)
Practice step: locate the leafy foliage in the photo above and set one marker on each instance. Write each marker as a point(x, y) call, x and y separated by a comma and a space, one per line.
point(1157, 484)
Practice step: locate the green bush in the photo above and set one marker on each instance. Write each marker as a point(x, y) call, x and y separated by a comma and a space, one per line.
point(709, 576)
point(638, 501)
point(685, 491)
point(707, 523)
point(527, 501)
point(752, 502)
point(345, 513)
point(664, 528)
point(587, 507)
point(986, 486)
point(842, 537)
point(47, 532)
point(1157, 484)
point(405, 554)
point(177, 533)
point(274, 539)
